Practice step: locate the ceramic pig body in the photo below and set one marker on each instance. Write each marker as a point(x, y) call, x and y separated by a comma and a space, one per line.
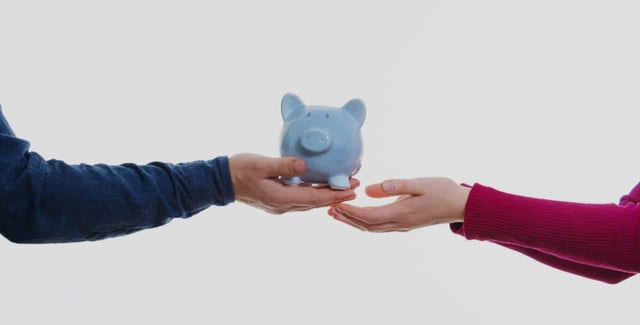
point(327, 138)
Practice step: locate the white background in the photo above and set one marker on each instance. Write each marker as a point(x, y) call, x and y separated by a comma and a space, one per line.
point(532, 97)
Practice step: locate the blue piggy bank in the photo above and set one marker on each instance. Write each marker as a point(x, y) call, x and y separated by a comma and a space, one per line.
point(328, 139)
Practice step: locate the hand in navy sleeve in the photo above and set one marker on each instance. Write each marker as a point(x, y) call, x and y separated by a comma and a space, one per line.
point(255, 179)
point(49, 201)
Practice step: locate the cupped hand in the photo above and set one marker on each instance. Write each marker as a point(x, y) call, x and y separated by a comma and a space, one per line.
point(256, 182)
point(421, 202)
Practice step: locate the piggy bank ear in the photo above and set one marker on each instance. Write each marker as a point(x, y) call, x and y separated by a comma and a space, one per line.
point(356, 109)
point(291, 107)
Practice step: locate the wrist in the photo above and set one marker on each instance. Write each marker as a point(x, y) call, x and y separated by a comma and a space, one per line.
point(234, 176)
point(223, 182)
point(461, 197)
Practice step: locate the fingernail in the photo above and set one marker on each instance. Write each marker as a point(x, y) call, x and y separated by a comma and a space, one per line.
point(346, 197)
point(388, 186)
point(298, 166)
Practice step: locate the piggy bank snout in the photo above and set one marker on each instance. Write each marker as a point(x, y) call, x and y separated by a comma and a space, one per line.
point(316, 141)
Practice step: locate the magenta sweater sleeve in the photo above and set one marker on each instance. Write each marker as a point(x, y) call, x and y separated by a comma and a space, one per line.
point(599, 241)
point(588, 271)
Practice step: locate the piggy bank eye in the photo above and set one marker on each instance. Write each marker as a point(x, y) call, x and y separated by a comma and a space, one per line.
point(326, 115)
point(309, 114)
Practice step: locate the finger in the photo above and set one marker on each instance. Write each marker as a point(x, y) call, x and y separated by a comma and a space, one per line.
point(316, 197)
point(403, 197)
point(376, 215)
point(385, 227)
point(353, 223)
point(306, 207)
point(394, 187)
point(354, 182)
point(285, 167)
point(390, 226)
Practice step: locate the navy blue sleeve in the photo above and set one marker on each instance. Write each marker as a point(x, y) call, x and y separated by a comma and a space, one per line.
point(51, 202)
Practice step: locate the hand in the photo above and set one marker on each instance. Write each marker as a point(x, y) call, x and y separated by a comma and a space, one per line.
point(421, 202)
point(255, 182)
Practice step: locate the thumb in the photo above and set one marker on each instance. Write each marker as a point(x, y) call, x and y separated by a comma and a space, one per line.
point(285, 167)
point(394, 187)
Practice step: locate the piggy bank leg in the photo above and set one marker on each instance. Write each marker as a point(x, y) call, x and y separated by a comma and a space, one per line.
point(292, 180)
point(339, 182)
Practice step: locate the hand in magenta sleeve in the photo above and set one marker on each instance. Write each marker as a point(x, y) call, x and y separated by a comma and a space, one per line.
point(598, 241)
point(421, 202)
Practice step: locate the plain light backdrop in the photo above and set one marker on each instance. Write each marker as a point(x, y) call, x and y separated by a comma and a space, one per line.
point(531, 97)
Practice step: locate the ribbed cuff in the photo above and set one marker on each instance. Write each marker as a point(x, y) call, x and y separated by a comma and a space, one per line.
point(497, 216)
point(494, 215)
point(206, 183)
point(224, 193)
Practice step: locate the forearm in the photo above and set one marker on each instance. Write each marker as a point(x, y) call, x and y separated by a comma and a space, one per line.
point(604, 236)
point(51, 201)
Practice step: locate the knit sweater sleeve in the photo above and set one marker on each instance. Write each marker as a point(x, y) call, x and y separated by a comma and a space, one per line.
point(587, 271)
point(50, 201)
point(599, 241)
